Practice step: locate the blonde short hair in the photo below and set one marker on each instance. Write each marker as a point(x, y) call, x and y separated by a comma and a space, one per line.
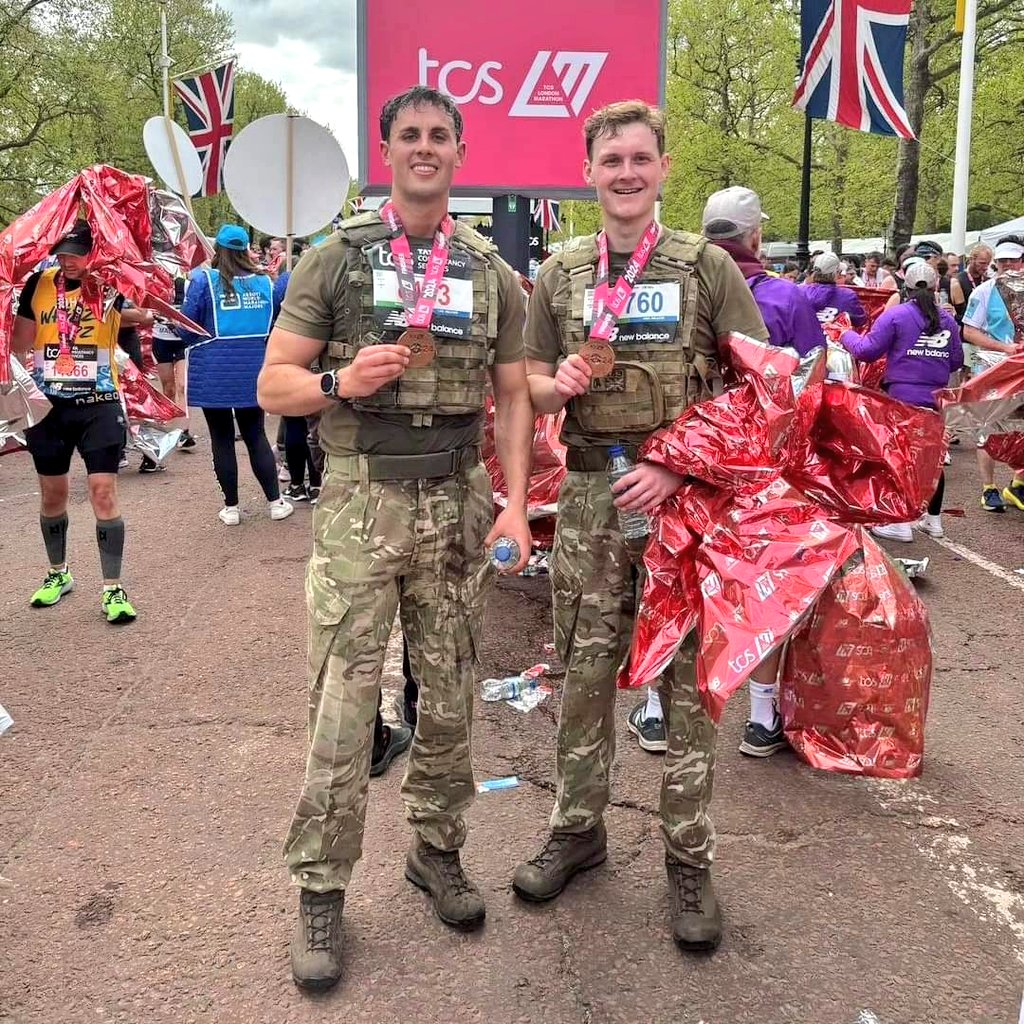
point(610, 121)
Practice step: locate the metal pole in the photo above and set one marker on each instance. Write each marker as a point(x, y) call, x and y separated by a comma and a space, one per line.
point(165, 60)
point(165, 67)
point(803, 247)
point(962, 159)
point(289, 189)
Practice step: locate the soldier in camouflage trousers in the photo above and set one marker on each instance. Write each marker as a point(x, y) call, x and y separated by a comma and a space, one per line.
point(685, 294)
point(405, 512)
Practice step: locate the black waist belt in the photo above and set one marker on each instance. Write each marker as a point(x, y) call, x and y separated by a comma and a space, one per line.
point(593, 460)
point(422, 467)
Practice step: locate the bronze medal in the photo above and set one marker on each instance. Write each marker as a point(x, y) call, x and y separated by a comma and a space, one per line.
point(420, 343)
point(600, 356)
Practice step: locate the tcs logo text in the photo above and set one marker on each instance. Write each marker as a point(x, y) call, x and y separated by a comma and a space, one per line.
point(557, 84)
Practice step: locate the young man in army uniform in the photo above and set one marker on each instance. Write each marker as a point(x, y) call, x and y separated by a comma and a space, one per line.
point(405, 513)
point(619, 381)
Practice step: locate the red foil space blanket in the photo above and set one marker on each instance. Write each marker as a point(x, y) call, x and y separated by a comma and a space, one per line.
point(778, 468)
point(117, 206)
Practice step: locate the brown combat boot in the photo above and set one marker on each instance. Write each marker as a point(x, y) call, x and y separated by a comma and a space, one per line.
point(316, 943)
point(564, 854)
point(696, 919)
point(457, 901)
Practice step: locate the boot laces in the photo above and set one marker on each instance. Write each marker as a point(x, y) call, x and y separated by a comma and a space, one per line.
point(319, 917)
point(553, 848)
point(451, 870)
point(687, 881)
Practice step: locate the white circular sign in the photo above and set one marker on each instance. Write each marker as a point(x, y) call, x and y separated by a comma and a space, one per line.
point(158, 149)
point(256, 175)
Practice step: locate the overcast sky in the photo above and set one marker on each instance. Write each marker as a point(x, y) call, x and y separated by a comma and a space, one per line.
point(309, 48)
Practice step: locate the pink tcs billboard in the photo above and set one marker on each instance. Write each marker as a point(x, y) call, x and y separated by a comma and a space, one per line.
point(524, 75)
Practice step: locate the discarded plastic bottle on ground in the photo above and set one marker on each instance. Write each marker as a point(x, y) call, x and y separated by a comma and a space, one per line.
point(504, 553)
point(635, 526)
point(512, 686)
point(5, 720)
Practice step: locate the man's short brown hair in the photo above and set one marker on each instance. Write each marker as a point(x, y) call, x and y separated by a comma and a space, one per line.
point(610, 120)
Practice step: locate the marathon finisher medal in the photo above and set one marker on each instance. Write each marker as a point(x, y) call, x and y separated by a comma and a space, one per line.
point(420, 343)
point(418, 300)
point(611, 303)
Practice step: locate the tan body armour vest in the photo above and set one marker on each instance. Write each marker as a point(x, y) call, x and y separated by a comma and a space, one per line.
point(456, 381)
point(651, 383)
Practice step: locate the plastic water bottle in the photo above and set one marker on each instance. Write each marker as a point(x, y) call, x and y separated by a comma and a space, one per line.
point(512, 686)
point(504, 554)
point(635, 526)
point(5, 720)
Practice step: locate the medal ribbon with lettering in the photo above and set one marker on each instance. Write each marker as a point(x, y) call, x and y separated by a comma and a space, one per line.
point(67, 326)
point(611, 303)
point(419, 301)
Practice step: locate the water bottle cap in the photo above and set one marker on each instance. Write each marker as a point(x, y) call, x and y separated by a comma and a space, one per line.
point(503, 553)
point(616, 450)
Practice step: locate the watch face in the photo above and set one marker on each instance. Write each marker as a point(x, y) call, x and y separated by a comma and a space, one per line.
point(328, 384)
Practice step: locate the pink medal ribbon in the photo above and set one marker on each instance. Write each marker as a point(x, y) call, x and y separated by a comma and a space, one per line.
point(611, 303)
point(419, 301)
point(67, 326)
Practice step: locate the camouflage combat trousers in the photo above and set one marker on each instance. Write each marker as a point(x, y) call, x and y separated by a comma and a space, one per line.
point(416, 546)
point(594, 588)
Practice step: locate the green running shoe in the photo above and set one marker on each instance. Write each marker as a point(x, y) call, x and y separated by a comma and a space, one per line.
point(117, 607)
point(58, 582)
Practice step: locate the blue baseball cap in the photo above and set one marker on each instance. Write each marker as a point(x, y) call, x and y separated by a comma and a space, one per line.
point(231, 236)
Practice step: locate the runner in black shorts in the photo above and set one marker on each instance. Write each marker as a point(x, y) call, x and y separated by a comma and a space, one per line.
point(74, 365)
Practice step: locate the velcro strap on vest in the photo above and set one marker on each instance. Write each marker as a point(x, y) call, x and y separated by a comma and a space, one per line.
point(432, 466)
point(593, 460)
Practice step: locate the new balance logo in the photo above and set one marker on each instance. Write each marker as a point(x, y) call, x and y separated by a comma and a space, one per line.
point(557, 85)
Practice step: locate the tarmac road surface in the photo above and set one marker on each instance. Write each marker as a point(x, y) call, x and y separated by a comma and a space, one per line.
point(151, 774)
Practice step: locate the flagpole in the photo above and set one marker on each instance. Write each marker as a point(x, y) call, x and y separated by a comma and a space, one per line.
point(962, 158)
point(803, 246)
point(165, 67)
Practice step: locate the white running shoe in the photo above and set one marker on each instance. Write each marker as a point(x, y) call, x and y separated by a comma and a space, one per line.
point(932, 525)
point(897, 531)
point(280, 509)
point(283, 475)
point(229, 515)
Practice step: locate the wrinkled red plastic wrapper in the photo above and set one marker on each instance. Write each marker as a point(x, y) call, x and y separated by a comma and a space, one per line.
point(873, 300)
point(1008, 448)
point(143, 403)
point(869, 375)
point(116, 205)
point(545, 478)
point(782, 461)
point(854, 686)
point(990, 407)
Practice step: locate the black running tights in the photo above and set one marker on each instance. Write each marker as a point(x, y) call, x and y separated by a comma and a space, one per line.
point(222, 440)
point(296, 452)
point(935, 505)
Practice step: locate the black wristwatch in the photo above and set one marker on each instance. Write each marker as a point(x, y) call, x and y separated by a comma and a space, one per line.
point(329, 385)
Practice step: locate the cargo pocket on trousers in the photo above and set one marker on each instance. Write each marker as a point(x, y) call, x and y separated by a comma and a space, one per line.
point(566, 592)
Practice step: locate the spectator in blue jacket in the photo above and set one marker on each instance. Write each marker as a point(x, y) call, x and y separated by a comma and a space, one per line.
point(234, 302)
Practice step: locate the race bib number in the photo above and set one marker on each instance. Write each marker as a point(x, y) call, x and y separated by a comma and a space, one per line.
point(651, 317)
point(77, 366)
point(453, 311)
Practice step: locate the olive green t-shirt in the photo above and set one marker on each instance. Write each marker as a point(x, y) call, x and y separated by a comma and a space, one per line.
point(314, 307)
point(724, 304)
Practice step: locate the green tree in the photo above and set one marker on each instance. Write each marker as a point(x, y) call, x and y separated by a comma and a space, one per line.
point(934, 59)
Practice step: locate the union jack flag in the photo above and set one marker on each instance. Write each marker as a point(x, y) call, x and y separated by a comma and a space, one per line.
point(545, 213)
point(852, 64)
point(209, 101)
